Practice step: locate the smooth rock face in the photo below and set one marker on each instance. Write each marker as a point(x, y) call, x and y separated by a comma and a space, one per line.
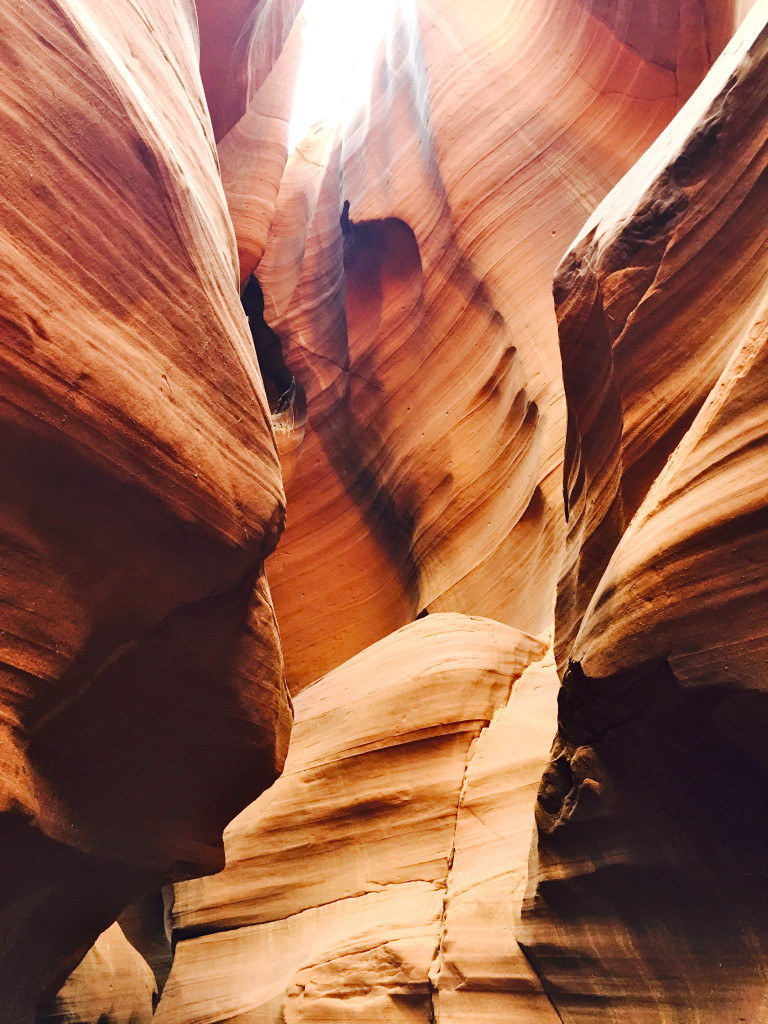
point(382, 877)
point(429, 475)
point(660, 289)
point(141, 689)
point(353, 887)
point(647, 901)
point(482, 974)
point(111, 985)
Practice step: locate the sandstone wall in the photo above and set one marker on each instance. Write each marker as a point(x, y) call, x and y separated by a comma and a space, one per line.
point(646, 901)
point(141, 690)
point(421, 439)
point(365, 884)
point(429, 474)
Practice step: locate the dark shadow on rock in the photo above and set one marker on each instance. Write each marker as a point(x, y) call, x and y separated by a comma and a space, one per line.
point(283, 390)
point(378, 255)
point(651, 862)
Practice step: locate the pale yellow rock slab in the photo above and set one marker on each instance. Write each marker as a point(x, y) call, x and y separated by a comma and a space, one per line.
point(482, 974)
point(247, 974)
point(349, 814)
point(364, 822)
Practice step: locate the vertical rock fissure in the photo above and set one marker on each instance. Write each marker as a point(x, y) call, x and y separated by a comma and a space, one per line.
point(436, 967)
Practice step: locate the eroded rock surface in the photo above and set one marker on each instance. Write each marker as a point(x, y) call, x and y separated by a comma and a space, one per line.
point(141, 689)
point(648, 900)
point(354, 887)
point(653, 299)
point(111, 985)
point(429, 475)
point(382, 876)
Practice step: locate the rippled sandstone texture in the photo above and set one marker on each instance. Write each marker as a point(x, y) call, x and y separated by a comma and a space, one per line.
point(426, 476)
point(648, 897)
point(365, 884)
point(429, 475)
point(141, 682)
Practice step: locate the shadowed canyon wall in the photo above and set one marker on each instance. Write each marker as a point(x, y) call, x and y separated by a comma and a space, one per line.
point(652, 848)
point(142, 694)
point(481, 483)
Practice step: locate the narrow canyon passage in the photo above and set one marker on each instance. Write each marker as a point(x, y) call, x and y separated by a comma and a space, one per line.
point(383, 512)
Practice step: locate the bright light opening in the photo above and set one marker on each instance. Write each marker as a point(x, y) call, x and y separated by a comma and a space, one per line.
point(341, 41)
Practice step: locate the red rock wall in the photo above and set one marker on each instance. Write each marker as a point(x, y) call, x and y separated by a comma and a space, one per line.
point(422, 448)
point(428, 476)
point(646, 902)
point(424, 340)
point(142, 692)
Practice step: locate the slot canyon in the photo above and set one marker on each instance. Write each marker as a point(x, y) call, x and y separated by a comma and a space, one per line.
point(384, 511)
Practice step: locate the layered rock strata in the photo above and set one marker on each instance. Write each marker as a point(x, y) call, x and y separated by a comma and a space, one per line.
point(113, 984)
point(141, 689)
point(648, 900)
point(366, 882)
point(143, 703)
point(429, 473)
point(652, 300)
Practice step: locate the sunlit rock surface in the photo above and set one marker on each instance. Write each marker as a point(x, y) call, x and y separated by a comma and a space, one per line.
point(111, 985)
point(429, 475)
point(413, 392)
point(382, 868)
point(141, 689)
point(657, 293)
point(648, 900)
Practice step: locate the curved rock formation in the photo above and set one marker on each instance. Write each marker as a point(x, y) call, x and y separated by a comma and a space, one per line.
point(648, 902)
point(395, 272)
point(141, 690)
point(652, 301)
point(358, 886)
point(112, 985)
point(429, 476)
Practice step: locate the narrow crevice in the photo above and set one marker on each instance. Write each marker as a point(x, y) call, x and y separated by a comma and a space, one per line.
point(436, 967)
point(283, 390)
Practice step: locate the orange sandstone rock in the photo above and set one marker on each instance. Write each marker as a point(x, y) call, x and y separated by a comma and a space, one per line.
point(647, 899)
point(429, 475)
point(143, 705)
point(653, 299)
point(141, 689)
point(346, 893)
